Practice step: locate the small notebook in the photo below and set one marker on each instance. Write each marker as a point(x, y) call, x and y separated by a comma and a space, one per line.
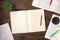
point(50, 5)
point(27, 21)
point(5, 33)
point(53, 30)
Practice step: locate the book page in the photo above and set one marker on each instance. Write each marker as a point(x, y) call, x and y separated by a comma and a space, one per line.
point(34, 19)
point(18, 21)
point(5, 33)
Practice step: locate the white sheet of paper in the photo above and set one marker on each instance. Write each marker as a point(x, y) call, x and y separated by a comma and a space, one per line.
point(45, 4)
point(52, 28)
point(41, 4)
point(5, 33)
point(27, 21)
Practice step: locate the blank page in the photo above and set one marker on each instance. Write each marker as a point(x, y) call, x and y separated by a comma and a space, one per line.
point(18, 21)
point(34, 19)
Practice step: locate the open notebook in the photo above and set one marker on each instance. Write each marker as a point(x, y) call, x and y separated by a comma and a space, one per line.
point(5, 33)
point(27, 21)
point(50, 5)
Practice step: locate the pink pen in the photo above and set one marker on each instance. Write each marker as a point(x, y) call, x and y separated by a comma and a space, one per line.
point(51, 2)
point(41, 20)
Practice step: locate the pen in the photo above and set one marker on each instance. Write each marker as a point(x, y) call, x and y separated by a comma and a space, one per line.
point(52, 35)
point(41, 21)
point(51, 2)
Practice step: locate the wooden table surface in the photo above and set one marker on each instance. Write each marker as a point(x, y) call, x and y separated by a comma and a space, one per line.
point(24, 5)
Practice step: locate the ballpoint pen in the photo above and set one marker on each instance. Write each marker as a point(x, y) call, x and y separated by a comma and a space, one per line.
point(51, 2)
point(41, 20)
point(52, 35)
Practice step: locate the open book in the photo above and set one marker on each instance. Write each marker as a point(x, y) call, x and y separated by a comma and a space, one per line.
point(50, 5)
point(27, 21)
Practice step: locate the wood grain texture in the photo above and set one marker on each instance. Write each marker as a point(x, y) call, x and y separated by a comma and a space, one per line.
point(24, 5)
